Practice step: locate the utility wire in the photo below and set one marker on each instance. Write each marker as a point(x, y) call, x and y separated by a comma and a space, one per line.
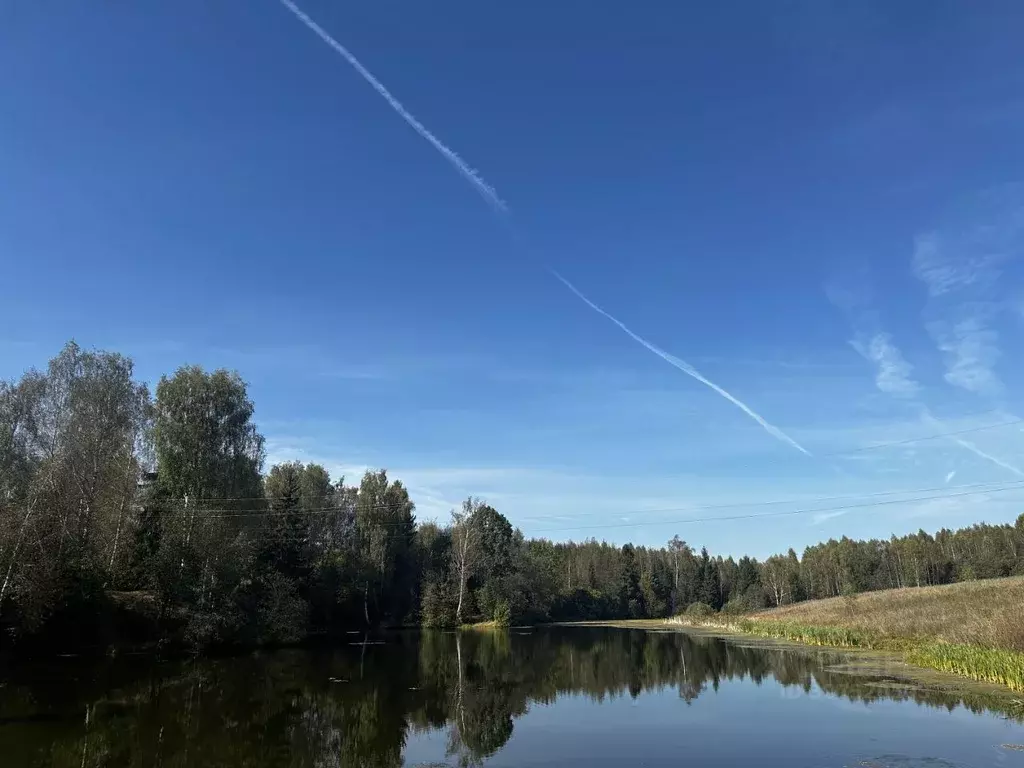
point(776, 502)
point(922, 439)
point(1019, 485)
point(268, 511)
point(861, 449)
point(978, 489)
point(1013, 486)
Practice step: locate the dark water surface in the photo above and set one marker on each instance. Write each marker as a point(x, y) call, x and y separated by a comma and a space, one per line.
point(547, 697)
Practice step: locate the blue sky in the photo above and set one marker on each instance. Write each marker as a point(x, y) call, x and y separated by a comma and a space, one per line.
point(819, 206)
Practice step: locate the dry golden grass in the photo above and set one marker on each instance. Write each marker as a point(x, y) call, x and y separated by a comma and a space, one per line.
point(988, 614)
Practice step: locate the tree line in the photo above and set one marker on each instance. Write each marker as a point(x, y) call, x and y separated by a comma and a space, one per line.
point(131, 516)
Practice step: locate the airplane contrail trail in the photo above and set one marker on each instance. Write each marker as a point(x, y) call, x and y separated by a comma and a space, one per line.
point(686, 368)
point(486, 191)
point(978, 452)
point(490, 196)
point(927, 416)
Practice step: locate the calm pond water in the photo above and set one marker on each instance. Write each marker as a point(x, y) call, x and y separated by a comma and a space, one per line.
point(547, 697)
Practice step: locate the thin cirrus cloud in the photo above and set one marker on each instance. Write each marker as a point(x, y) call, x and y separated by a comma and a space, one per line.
point(970, 349)
point(893, 378)
point(944, 267)
point(893, 372)
point(822, 517)
point(960, 267)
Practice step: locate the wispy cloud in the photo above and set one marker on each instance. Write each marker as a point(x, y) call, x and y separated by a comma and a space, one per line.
point(822, 517)
point(686, 368)
point(893, 375)
point(951, 475)
point(971, 350)
point(943, 269)
point(851, 293)
point(971, 345)
point(960, 266)
point(486, 191)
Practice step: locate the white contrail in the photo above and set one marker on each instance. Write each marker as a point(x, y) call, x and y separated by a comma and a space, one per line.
point(978, 452)
point(927, 416)
point(686, 368)
point(490, 196)
point(487, 192)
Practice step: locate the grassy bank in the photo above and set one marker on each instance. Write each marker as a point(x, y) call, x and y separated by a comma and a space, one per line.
point(483, 626)
point(972, 629)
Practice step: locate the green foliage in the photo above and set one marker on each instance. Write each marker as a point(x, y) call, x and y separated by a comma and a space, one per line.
point(438, 606)
point(502, 616)
point(71, 444)
point(699, 611)
point(280, 614)
point(838, 637)
point(708, 584)
point(105, 492)
point(1003, 667)
point(986, 664)
point(206, 444)
point(745, 603)
point(384, 535)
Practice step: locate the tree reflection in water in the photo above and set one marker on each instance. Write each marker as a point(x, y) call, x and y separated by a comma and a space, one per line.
point(356, 706)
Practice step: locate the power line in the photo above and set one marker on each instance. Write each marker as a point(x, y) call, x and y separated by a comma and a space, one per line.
point(1018, 485)
point(263, 511)
point(776, 502)
point(922, 439)
point(267, 511)
point(1013, 486)
point(979, 489)
point(863, 449)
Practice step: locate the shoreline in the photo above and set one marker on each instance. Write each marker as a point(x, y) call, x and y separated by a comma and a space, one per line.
point(936, 664)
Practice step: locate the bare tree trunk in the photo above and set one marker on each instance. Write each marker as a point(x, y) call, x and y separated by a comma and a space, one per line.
point(462, 540)
point(85, 743)
point(462, 589)
point(458, 651)
point(117, 538)
point(14, 553)
point(202, 583)
point(188, 536)
point(362, 653)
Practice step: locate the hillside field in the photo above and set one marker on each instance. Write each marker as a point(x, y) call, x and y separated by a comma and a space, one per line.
point(974, 629)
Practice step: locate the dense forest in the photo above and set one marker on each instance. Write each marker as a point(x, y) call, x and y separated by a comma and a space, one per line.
point(132, 517)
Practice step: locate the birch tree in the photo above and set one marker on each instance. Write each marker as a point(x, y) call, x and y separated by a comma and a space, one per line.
point(384, 528)
point(69, 445)
point(465, 549)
